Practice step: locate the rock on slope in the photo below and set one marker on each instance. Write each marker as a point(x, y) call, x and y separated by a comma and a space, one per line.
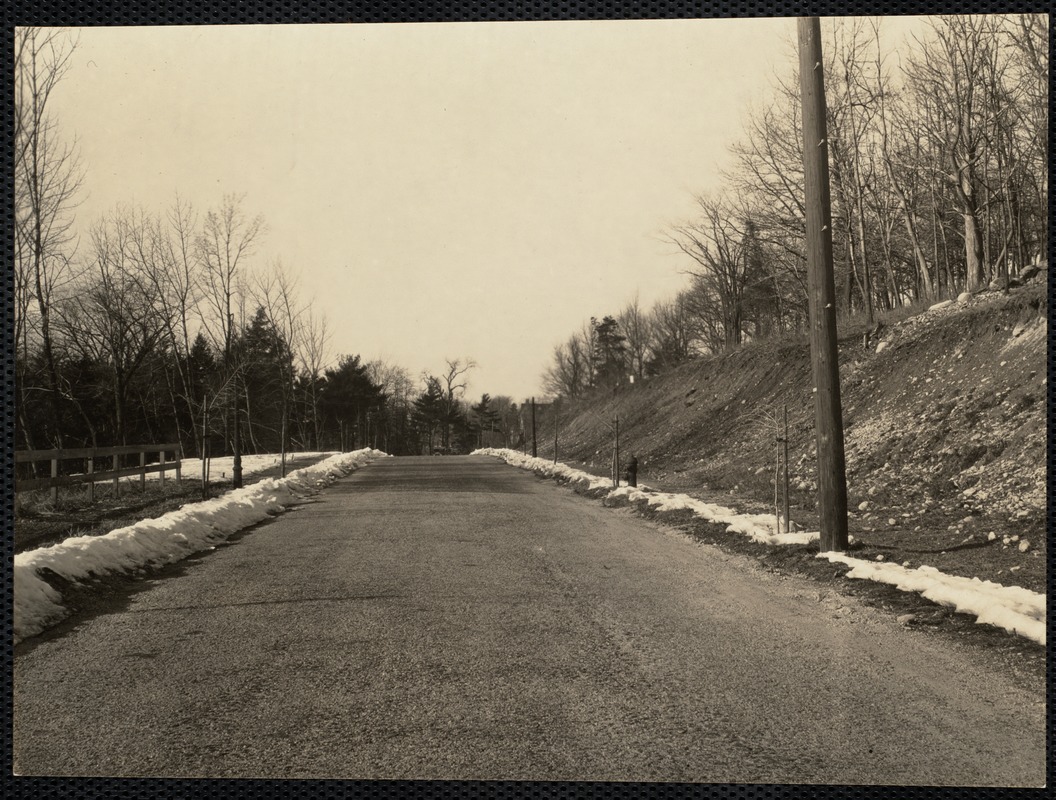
point(945, 432)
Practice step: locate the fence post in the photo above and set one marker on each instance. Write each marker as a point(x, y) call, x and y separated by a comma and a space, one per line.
point(91, 483)
point(179, 458)
point(143, 470)
point(117, 480)
point(54, 474)
point(161, 475)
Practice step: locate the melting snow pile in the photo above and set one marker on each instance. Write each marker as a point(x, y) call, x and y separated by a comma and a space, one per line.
point(164, 540)
point(1013, 608)
point(222, 467)
point(547, 468)
point(758, 527)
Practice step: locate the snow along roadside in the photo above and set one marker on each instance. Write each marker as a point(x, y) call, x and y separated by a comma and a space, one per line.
point(164, 540)
point(1013, 608)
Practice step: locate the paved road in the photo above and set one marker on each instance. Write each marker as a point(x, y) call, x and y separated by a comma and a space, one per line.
point(458, 618)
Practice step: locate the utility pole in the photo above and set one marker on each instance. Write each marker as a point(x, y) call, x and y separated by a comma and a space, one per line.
point(828, 415)
point(535, 448)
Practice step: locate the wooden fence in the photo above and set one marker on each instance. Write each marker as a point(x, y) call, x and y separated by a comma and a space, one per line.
point(89, 456)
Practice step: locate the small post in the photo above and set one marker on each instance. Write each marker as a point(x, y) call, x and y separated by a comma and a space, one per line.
point(616, 451)
point(179, 458)
point(205, 447)
point(535, 449)
point(91, 483)
point(54, 474)
point(777, 479)
point(117, 480)
point(784, 446)
point(555, 430)
point(142, 470)
point(161, 475)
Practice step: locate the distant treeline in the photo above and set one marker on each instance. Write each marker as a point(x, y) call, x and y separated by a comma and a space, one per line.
point(165, 327)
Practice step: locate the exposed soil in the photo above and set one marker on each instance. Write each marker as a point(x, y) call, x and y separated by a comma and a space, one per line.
point(945, 433)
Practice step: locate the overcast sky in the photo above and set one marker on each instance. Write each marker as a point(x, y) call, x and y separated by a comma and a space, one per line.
point(441, 190)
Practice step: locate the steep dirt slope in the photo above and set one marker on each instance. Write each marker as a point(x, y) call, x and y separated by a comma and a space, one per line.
point(945, 433)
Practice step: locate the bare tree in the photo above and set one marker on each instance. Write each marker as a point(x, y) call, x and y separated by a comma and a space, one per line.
point(636, 326)
point(949, 70)
point(47, 179)
point(672, 337)
point(313, 355)
point(117, 318)
point(567, 374)
point(277, 293)
point(227, 240)
point(454, 386)
point(715, 242)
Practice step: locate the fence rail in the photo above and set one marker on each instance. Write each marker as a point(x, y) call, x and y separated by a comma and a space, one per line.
point(90, 475)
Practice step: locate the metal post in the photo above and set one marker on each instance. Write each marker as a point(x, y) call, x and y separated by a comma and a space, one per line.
point(832, 476)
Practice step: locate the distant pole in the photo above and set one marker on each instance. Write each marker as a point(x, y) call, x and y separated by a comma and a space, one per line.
point(616, 451)
point(556, 410)
point(828, 416)
point(535, 449)
point(205, 447)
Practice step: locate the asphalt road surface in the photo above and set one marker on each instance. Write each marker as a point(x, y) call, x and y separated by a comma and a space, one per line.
point(456, 618)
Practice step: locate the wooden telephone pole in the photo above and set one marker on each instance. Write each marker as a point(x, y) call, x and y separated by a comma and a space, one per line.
point(828, 414)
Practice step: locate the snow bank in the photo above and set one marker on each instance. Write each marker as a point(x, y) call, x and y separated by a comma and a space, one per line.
point(547, 468)
point(758, 527)
point(164, 540)
point(222, 467)
point(1012, 608)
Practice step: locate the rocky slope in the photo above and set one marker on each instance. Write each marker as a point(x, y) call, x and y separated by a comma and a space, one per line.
point(945, 431)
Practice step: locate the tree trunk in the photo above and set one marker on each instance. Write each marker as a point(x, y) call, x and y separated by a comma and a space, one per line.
point(973, 251)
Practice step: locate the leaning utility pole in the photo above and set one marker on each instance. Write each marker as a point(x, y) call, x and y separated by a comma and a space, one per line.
point(828, 415)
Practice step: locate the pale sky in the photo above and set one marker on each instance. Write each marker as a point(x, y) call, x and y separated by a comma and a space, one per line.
point(441, 190)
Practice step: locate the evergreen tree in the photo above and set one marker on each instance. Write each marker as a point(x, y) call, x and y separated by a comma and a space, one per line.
point(610, 352)
point(346, 396)
point(429, 407)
